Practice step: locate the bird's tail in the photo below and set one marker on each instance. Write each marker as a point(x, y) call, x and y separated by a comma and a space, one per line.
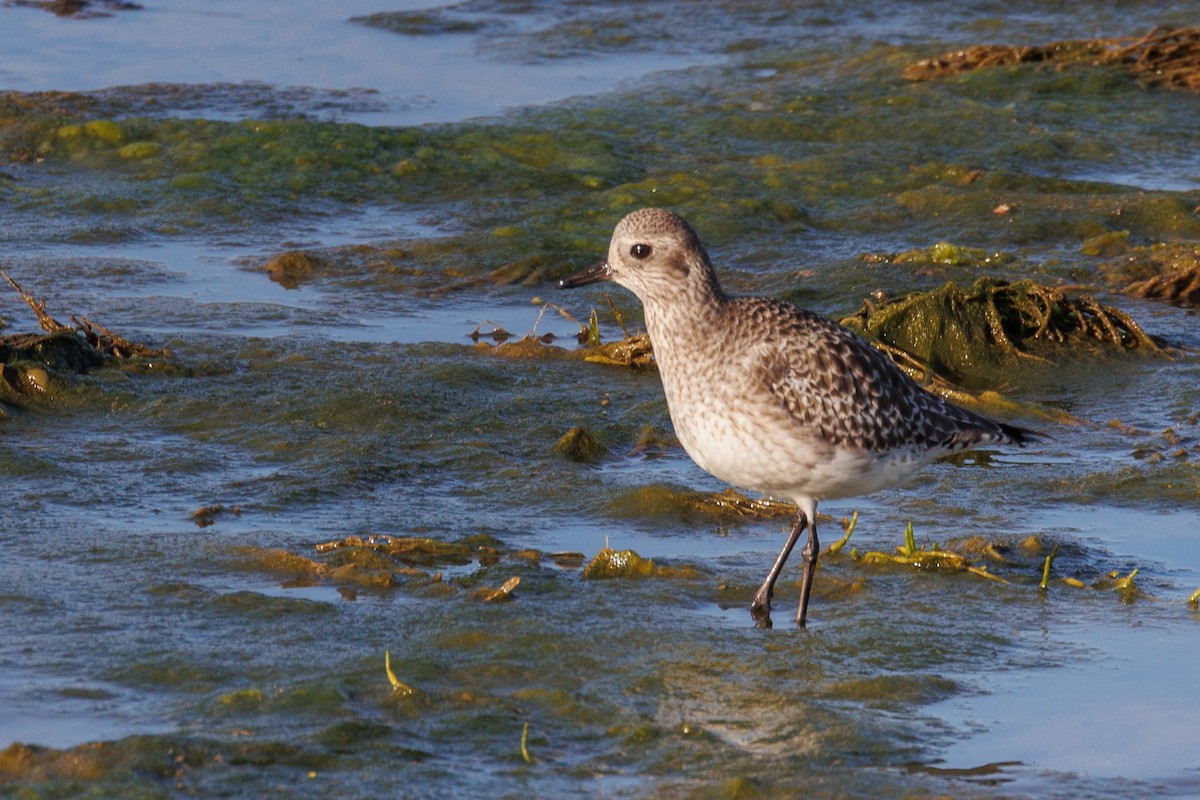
point(1022, 436)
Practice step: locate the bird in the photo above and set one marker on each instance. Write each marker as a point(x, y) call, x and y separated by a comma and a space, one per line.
point(775, 399)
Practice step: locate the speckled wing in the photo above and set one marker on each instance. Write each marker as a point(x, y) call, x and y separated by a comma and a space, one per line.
point(848, 394)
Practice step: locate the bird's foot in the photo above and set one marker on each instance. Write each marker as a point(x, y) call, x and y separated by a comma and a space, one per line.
point(760, 610)
point(801, 621)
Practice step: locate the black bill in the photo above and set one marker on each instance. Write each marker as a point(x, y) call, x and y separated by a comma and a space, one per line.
point(594, 274)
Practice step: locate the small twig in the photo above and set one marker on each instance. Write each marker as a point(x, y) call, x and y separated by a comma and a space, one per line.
point(562, 312)
point(617, 314)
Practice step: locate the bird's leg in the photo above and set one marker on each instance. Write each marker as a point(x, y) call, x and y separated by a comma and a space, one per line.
point(760, 609)
point(809, 554)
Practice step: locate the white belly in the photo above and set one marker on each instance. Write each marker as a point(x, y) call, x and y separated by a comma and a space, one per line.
point(769, 454)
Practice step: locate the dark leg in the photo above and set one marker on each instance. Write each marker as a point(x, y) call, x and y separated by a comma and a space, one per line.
point(760, 609)
point(811, 549)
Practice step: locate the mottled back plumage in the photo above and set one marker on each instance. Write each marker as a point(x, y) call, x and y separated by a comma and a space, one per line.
point(850, 393)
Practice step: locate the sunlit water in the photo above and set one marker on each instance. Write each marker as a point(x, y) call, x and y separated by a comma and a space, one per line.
point(306, 44)
point(355, 405)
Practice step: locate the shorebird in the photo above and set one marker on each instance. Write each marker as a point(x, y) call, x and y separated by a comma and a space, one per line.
point(775, 399)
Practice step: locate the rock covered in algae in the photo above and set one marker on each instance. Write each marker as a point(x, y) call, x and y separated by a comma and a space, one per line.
point(291, 269)
point(24, 383)
point(579, 444)
point(969, 335)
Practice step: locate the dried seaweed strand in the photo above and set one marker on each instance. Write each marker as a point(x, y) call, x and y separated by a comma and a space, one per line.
point(1168, 57)
point(106, 341)
point(48, 323)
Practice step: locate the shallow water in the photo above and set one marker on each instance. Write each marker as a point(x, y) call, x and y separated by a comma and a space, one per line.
point(237, 660)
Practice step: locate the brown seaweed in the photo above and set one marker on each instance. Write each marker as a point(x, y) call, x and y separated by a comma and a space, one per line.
point(1164, 57)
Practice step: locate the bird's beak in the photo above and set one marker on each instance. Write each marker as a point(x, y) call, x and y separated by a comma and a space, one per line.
point(594, 274)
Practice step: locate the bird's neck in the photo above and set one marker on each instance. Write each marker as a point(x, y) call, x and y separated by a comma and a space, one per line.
point(687, 314)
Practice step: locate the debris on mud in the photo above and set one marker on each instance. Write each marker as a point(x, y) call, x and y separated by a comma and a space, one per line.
point(29, 360)
point(104, 341)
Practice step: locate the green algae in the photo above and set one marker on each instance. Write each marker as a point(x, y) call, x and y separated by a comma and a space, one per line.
point(242, 700)
point(140, 766)
point(952, 255)
point(381, 563)
point(929, 557)
point(420, 23)
point(566, 173)
point(221, 166)
point(894, 690)
point(724, 507)
point(1108, 243)
point(610, 563)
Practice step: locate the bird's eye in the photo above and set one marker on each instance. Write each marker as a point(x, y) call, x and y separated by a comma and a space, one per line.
point(640, 251)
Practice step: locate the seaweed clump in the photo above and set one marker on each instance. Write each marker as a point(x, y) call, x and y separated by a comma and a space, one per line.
point(969, 335)
point(1164, 57)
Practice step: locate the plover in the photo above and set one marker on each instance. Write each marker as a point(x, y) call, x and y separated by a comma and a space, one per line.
point(775, 399)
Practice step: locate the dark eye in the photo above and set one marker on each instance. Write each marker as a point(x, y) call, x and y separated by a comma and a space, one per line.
point(640, 251)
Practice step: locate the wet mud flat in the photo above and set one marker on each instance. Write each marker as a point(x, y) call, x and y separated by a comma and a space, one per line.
point(282, 549)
